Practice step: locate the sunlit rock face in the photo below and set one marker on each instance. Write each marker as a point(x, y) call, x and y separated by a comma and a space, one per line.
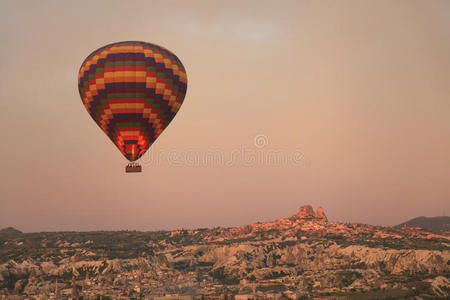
point(307, 212)
point(320, 214)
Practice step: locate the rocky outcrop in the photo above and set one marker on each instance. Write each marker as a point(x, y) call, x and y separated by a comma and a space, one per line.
point(320, 214)
point(440, 286)
point(400, 261)
point(306, 212)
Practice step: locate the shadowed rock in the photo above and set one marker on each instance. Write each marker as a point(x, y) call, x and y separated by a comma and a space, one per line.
point(10, 230)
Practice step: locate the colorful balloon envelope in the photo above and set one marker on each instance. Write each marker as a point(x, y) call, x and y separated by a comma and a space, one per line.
point(132, 90)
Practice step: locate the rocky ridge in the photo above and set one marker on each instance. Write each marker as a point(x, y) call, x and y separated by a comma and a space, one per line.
point(10, 230)
point(302, 255)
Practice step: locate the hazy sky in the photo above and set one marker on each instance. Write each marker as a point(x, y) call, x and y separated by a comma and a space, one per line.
point(352, 96)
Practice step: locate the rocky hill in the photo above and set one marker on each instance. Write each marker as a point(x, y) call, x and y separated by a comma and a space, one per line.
point(429, 223)
point(298, 257)
point(10, 230)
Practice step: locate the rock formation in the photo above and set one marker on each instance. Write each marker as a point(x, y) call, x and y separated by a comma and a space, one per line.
point(306, 212)
point(320, 214)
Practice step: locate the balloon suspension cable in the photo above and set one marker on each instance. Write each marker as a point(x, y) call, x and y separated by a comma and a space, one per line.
point(133, 167)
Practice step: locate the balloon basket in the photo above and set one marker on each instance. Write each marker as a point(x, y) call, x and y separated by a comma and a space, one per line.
point(133, 168)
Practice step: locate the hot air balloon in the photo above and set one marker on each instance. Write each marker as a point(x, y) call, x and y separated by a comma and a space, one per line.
point(132, 90)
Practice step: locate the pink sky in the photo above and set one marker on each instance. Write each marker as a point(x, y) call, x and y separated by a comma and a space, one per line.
point(359, 88)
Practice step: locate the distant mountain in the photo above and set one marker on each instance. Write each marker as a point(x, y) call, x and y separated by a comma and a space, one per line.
point(10, 230)
point(430, 223)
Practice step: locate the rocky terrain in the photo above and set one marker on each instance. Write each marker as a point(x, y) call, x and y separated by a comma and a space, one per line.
point(9, 230)
point(429, 223)
point(300, 257)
